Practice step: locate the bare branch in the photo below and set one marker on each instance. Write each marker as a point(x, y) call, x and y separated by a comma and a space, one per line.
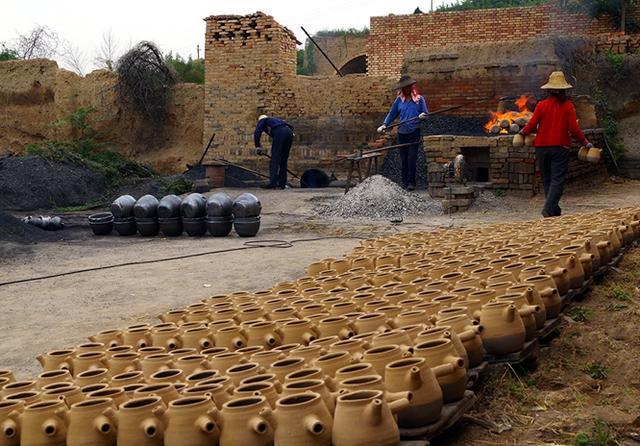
point(40, 42)
point(72, 57)
point(108, 52)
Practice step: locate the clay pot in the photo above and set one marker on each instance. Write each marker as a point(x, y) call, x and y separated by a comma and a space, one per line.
point(354, 371)
point(53, 376)
point(239, 372)
point(233, 337)
point(355, 347)
point(166, 376)
point(283, 367)
point(546, 287)
point(335, 326)
point(414, 375)
point(393, 337)
point(594, 155)
point(94, 376)
point(379, 357)
point(92, 422)
point(319, 386)
point(11, 422)
point(372, 322)
point(44, 424)
point(300, 330)
point(191, 421)
point(198, 338)
point(303, 420)
point(574, 267)
point(331, 362)
point(364, 417)
point(244, 421)
point(445, 332)
point(110, 338)
point(139, 337)
point(116, 394)
point(29, 397)
point(167, 337)
point(504, 331)
point(57, 359)
point(140, 422)
point(69, 394)
point(527, 312)
point(533, 298)
point(469, 334)
point(194, 379)
point(583, 257)
point(166, 391)
point(146, 351)
point(155, 363)
point(124, 362)
point(441, 356)
point(264, 388)
point(306, 373)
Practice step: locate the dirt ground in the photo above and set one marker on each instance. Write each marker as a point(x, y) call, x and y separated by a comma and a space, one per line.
point(547, 407)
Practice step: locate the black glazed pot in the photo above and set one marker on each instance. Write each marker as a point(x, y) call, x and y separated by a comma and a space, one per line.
point(101, 223)
point(169, 206)
point(147, 227)
point(247, 227)
point(194, 226)
point(219, 205)
point(246, 205)
point(219, 226)
point(122, 207)
point(171, 227)
point(125, 226)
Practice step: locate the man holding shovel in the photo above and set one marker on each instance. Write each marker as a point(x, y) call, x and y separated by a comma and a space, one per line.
point(282, 137)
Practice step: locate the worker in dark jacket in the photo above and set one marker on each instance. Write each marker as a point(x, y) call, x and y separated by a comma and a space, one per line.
point(282, 137)
point(410, 107)
point(554, 119)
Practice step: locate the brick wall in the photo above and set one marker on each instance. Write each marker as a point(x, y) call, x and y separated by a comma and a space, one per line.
point(391, 36)
point(250, 70)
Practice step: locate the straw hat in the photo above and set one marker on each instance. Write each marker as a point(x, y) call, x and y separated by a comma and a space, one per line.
point(557, 82)
point(404, 81)
point(261, 117)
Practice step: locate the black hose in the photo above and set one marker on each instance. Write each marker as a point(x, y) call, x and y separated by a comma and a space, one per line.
point(252, 244)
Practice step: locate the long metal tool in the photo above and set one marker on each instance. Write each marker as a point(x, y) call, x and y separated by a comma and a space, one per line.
point(290, 173)
point(323, 53)
point(446, 109)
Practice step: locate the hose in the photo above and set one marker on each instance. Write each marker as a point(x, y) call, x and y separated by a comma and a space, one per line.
point(252, 244)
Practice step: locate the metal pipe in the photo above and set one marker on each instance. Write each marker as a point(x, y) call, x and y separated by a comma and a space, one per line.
point(323, 53)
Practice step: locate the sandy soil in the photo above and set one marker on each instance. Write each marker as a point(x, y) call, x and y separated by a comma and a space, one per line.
point(41, 315)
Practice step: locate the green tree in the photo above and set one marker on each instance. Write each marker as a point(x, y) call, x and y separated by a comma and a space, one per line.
point(190, 70)
point(7, 53)
point(488, 4)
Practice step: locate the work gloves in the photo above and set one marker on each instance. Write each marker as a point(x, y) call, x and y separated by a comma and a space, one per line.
point(422, 116)
point(588, 145)
point(382, 128)
point(259, 151)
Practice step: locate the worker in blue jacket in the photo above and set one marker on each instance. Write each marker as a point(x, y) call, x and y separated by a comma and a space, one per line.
point(282, 137)
point(409, 104)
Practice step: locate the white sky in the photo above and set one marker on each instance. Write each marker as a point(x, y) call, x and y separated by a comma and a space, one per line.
point(178, 26)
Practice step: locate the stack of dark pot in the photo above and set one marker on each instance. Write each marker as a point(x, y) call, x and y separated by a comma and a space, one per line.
point(246, 215)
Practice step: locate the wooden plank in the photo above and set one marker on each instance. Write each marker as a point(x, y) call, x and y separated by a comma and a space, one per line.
point(475, 374)
point(550, 329)
point(527, 355)
point(451, 414)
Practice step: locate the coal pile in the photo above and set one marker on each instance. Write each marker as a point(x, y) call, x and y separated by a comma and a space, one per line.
point(13, 229)
point(378, 197)
point(392, 167)
point(29, 182)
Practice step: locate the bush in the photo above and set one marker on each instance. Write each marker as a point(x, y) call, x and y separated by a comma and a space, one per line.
point(84, 149)
point(187, 71)
point(488, 4)
point(7, 53)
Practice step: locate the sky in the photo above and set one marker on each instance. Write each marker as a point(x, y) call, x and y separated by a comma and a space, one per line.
point(178, 26)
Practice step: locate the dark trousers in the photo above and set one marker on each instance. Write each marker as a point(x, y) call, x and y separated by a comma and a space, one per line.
point(554, 164)
point(409, 156)
point(280, 148)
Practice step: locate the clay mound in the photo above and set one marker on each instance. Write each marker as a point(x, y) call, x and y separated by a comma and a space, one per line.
point(28, 183)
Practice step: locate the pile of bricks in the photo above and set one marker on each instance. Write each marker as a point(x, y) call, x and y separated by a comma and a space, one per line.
point(618, 44)
point(457, 197)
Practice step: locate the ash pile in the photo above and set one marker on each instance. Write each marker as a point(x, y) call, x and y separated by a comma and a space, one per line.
point(434, 125)
point(379, 197)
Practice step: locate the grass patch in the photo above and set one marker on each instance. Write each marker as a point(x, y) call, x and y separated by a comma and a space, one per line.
point(621, 294)
point(579, 314)
point(600, 435)
point(176, 187)
point(79, 208)
point(597, 370)
point(616, 307)
point(499, 193)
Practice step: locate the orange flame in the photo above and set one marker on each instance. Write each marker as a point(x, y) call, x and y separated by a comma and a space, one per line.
point(523, 112)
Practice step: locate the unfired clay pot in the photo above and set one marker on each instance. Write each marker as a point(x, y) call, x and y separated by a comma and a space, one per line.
point(115, 394)
point(414, 375)
point(244, 421)
point(53, 376)
point(504, 332)
point(11, 422)
point(532, 297)
point(469, 334)
point(379, 357)
point(94, 376)
point(265, 388)
point(354, 370)
point(92, 422)
point(140, 422)
point(110, 338)
point(546, 287)
point(444, 332)
point(448, 368)
point(191, 421)
point(57, 359)
point(166, 391)
point(197, 337)
point(365, 418)
point(331, 362)
point(299, 330)
point(167, 337)
point(302, 420)
point(155, 363)
point(527, 312)
point(44, 424)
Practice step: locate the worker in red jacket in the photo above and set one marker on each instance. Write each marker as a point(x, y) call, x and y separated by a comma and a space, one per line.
point(555, 120)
